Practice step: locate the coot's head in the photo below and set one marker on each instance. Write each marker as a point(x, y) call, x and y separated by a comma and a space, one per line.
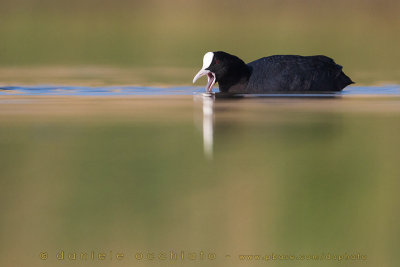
point(221, 67)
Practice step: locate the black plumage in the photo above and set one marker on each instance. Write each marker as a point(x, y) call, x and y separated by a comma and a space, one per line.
point(279, 73)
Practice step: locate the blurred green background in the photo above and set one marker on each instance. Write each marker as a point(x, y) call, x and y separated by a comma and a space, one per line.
point(127, 174)
point(361, 35)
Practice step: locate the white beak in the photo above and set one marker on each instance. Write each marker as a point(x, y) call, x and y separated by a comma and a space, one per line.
point(200, 74)
point(211, 79)
point(207, 60)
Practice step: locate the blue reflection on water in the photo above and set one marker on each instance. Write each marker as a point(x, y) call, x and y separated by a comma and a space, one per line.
point(182, 90)
point(96, 91)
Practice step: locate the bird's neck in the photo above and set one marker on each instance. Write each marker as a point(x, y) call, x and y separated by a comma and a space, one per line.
point(235, 80)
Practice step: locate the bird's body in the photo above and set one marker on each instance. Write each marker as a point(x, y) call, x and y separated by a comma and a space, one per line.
point(279, 73)
point(296, 73)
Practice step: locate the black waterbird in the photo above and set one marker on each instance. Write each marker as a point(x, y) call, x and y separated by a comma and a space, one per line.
point(279, 73)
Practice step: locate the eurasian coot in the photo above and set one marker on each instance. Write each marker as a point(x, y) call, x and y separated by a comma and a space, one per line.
point(279, 73)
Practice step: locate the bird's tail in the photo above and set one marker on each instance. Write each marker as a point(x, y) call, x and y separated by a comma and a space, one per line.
point(343, 81)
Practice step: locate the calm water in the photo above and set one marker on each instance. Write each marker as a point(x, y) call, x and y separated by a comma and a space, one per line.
point(182, 90)
point(177, 172)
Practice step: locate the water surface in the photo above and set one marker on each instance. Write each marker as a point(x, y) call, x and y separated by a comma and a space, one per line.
point(175, 171)
point(146, 90)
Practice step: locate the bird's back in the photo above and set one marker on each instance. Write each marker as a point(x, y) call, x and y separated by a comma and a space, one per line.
point(296, 73)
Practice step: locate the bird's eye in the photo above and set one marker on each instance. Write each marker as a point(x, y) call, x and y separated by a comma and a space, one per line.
point(217, 61)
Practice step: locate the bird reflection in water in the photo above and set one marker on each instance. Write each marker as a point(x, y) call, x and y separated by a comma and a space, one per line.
point(208, 124)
